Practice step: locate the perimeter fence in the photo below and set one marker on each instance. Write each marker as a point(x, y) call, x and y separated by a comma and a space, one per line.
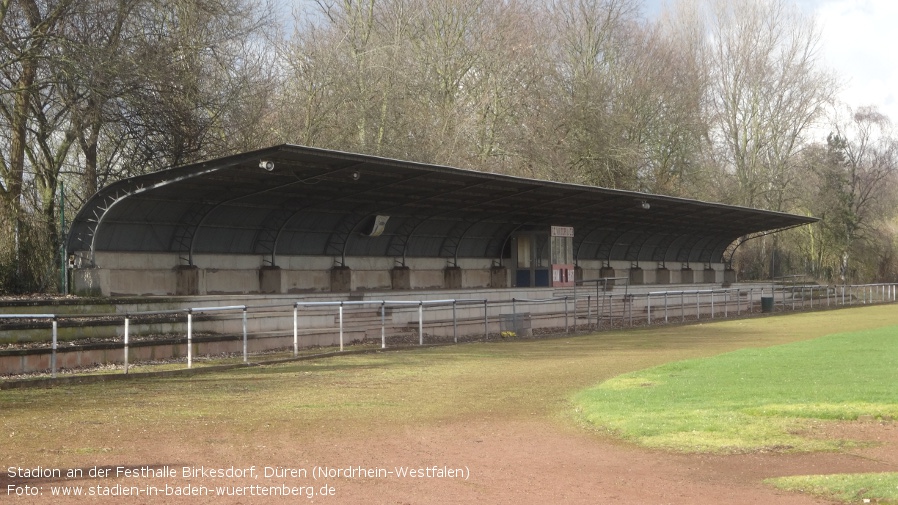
point(54, 342)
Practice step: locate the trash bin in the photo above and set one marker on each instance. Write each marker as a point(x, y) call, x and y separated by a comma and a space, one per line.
point(518, 324)
point(766, 304)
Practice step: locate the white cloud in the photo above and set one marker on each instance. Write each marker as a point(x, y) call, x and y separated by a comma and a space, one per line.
point(860, 42)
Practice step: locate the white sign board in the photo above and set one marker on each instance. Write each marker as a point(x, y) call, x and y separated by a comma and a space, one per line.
point(563, 231)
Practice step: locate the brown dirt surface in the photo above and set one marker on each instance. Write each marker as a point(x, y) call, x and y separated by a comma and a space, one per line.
point(515, 462)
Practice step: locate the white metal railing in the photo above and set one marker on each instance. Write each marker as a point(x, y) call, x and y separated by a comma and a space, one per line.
point(383, 305)
point(604, 310)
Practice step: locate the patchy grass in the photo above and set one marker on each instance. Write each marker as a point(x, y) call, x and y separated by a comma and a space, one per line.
point(880, 488)
point(752, 399)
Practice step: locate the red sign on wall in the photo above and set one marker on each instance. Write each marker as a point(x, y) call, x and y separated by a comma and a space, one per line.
point(563, 275)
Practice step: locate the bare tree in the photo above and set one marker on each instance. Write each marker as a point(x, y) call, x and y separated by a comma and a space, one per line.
point(437, 82)
point(855, 182)
point(27, 28)
point(339, 86)
point(767, 93)
point(672, 86)
point(131, 83)
point(198, 65)
point(590, 39)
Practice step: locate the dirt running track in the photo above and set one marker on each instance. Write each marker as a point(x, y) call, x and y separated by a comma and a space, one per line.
point(509, 462)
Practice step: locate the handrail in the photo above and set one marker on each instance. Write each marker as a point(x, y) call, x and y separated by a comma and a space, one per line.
point(697, 304)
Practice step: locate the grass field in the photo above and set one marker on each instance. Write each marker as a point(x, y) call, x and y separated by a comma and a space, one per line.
point(363, 395)
point(881, 487)
point(753, 399)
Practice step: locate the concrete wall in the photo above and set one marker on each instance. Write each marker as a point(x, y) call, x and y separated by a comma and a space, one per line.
point(649, 272)
point(160, 274)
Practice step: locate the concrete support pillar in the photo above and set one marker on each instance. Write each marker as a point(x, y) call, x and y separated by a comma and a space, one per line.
point(606, 272)
point(498, 277)
point(401, 278)
point(729, 277)
point(637, 276)
point(710, 276)
point(341, 279)
point(187, 281)
point(662, 276)
point(452, 277)
point(578, 273)
point(271, 280)
point(687, 276)
point(87, 282)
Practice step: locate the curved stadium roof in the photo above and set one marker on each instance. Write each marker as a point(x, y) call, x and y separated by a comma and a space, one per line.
point(318, 202)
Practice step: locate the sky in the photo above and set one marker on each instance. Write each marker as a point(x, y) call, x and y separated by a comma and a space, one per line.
point(859, 41)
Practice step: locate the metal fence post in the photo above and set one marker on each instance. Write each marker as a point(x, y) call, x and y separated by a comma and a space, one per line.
point(420, 323)
point(588, 311)
point(53, 355)
point(486, 321)
point(566, 325)
point(341, 325)
point(682, 306)
point(648, 309)
point(383, 324)
point(245, 356)
point(126, 344)
point(454, 322)
point(514, 314)
point(189, 339)
point(295, 329)
point(665, 308)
